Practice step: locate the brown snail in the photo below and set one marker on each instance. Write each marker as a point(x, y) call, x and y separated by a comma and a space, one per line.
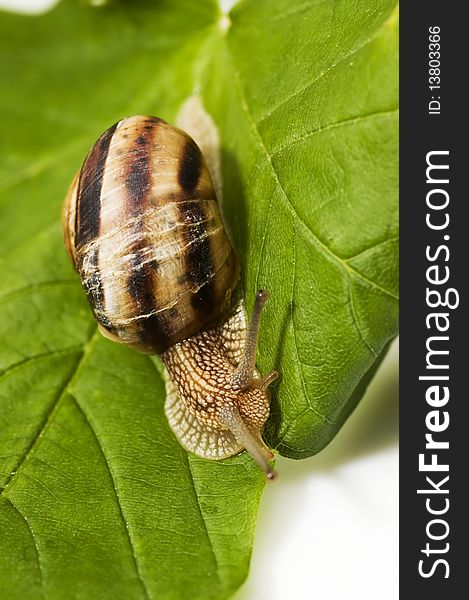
point(143, 229)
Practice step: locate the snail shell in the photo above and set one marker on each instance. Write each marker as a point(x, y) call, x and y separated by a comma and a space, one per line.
point(143, 229)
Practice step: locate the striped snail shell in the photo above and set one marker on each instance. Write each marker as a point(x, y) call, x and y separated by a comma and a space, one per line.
point(143, 229)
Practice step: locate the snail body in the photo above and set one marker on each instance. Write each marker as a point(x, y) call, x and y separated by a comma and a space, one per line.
point(143, 229)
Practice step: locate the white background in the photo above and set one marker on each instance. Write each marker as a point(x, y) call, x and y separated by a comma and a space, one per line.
point(328, 528)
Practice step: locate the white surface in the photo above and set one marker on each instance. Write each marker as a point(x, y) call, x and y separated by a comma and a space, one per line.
point(328, 528)
point(27, 6)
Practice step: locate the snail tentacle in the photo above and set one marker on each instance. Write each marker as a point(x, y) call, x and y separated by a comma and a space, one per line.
point(243, 378)
point(252, 442)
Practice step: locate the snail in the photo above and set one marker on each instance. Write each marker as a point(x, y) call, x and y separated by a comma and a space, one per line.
point(144, 232)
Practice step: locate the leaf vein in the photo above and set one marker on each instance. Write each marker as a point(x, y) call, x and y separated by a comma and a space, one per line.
point(31, 359)
point(372, 247)
point(337, 125)
point(321, 75)
point(49, 417)
point(295, 342)
point(118, 498)
point(35, 286)
point(356, 321)
point(33, 537)
point(313, 236)
point(38, 168)
point(290, 426)
point(202, 516)
point(264, 238)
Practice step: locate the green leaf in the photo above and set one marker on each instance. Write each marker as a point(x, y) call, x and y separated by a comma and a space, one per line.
point(98, 499)
point(306, 95)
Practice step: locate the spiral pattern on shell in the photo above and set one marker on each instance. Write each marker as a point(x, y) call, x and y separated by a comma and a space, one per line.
point(144, 231)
